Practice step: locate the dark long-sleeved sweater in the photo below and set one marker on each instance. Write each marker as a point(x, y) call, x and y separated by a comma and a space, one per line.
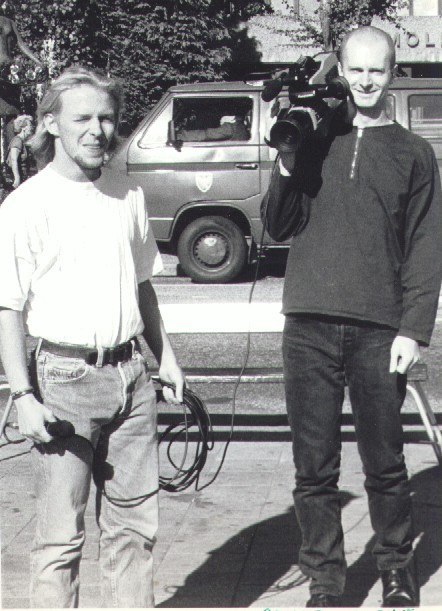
point(366, 209)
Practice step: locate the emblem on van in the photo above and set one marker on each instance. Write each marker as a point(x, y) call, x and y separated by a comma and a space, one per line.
point(204, 181)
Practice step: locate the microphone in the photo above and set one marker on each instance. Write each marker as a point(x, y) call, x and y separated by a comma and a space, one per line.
point(271, 89)
point(60, 428)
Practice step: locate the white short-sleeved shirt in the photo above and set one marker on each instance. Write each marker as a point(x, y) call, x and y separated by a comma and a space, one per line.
point(72, 255)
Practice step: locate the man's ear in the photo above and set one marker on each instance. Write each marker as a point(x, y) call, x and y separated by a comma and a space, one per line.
point(51, 124)
point(394, 72)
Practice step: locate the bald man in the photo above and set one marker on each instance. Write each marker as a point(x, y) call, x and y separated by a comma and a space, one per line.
point(361, 290)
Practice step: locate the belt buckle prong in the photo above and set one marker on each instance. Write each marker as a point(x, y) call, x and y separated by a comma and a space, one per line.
point(100, 357)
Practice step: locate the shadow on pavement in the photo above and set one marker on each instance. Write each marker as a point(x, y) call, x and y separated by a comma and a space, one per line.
point(268, 566)
point(427, 518)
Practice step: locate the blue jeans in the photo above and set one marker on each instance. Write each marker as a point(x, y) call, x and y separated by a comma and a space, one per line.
point(320, 356)
point(113, 409)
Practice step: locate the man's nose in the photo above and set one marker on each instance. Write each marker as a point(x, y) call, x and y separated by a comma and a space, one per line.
point(95, 127)
point(365, 80)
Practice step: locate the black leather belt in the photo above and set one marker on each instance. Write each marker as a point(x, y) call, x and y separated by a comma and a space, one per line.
point(93, 356)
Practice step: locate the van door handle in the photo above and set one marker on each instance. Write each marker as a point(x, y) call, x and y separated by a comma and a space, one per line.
point(246, 166)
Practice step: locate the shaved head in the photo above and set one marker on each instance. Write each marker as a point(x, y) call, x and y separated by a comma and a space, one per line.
point(368, 34)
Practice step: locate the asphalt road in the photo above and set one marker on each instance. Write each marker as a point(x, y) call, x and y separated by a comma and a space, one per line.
point(228, 349)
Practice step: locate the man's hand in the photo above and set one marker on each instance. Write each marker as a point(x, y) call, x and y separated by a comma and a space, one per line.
point(32, 416)
point(404, 354)
point(171, 372)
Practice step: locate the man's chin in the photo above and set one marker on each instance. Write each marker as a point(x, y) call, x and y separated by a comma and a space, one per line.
point(91, 164)
point(366, 103)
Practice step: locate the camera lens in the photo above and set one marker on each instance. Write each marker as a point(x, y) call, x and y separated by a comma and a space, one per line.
point(287, 134)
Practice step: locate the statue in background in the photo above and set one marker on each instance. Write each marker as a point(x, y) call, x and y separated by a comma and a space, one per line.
point(10, 79)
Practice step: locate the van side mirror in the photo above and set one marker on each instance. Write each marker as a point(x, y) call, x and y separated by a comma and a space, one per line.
point(124, 129)
point(171, 138)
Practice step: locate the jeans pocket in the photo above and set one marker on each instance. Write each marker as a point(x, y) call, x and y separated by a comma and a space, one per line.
point(56, 369)
point(138, 356)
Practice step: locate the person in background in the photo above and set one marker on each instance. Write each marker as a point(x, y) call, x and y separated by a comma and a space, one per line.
point(18, 155)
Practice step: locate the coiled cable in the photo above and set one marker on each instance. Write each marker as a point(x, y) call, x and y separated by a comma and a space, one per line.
point(184, 477)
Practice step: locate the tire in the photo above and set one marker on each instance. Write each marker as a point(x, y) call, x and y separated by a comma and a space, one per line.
point(212, 249)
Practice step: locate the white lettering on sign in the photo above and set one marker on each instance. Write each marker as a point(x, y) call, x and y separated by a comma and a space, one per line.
point(413, 40)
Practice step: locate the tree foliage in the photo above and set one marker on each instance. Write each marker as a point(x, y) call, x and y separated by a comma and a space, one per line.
point(335, 17)
point(173, 42)
point(344, 15)
point(148, 45)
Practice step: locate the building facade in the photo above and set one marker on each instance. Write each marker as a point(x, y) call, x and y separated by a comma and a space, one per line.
point(281, 38)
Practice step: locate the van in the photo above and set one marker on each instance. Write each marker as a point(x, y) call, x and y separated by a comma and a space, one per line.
point(202, 161)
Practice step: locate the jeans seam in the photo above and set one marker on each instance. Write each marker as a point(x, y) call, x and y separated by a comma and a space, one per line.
point(44, 520)
point(113, 579)
point(124, 390)
point(43, 366)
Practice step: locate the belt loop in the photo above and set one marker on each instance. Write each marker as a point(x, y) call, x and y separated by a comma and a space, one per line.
point(100, 356)
point(38, 348)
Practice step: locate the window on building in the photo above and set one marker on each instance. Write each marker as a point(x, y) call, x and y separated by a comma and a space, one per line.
point(426, 114)
point(425, 8)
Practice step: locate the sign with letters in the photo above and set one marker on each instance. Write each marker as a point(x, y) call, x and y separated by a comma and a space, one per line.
point(417, 39)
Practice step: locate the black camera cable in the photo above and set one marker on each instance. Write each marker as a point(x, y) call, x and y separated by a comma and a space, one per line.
point(199, 487)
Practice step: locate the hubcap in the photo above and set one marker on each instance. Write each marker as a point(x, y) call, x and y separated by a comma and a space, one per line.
point(211, 249)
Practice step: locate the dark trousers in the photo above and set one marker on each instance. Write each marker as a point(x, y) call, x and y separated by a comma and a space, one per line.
point(320, 356)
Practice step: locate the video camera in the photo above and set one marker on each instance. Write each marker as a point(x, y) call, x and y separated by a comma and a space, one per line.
point(309, 83)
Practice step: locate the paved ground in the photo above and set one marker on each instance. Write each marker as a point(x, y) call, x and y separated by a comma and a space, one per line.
point(235, 543)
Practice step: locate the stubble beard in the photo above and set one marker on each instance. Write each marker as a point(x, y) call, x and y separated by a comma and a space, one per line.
point(89, 164)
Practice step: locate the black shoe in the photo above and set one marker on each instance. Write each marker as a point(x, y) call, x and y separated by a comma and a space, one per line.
point(399, 589)
point(323, 600)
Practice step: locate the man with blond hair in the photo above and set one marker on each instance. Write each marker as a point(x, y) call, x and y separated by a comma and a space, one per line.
point(76, 258)
point(363, 205)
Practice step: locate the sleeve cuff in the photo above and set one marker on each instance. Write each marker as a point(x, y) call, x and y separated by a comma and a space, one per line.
point(421, 339)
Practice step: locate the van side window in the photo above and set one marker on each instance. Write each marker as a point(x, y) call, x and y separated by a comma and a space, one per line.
point(426, 114)
point(156, 134)
point(213, 119)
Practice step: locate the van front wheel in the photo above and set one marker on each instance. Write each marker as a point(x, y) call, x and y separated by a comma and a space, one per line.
point(212, 249)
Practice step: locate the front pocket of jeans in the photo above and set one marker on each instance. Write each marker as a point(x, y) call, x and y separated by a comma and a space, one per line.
point(61, 370)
